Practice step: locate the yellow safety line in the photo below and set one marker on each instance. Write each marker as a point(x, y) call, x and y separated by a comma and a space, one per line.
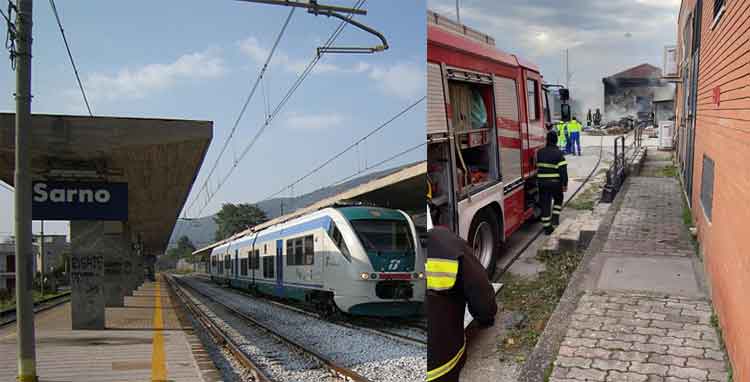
point(158, 361)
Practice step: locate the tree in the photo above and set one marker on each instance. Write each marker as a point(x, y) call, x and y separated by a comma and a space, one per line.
point(233, 218)
point(184, 249)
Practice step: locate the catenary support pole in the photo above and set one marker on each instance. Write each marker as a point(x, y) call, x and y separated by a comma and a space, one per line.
point(24, 249)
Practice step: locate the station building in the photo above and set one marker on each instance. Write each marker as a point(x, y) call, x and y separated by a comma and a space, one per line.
point(713, 152)
point(121, 182)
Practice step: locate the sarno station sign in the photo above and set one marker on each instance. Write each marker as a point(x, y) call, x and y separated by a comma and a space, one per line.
point(79, 201)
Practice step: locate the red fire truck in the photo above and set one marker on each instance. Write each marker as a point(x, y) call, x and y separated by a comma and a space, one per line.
point(486, 119)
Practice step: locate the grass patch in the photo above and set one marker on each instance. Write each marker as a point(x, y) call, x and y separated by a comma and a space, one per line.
point(715, 323)
point(9, 303)
point(587, 199)
point(536, 298)
point(669, 171)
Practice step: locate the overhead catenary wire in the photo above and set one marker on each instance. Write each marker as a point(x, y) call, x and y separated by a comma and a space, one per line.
point(300, 79)
point(355, 144)
point(70, 56)
point(253, 89)
point(378, 164)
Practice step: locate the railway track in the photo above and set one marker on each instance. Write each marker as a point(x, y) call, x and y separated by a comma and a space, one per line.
point(407, 331)
point(536, 236)
point(348, 353)
point(8, 316)
point(263, 334)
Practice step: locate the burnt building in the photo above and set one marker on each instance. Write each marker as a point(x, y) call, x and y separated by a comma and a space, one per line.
point(632, 92)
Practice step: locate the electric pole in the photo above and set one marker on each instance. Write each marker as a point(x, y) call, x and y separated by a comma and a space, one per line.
point(458, 13)
point(41, 259)
point(568, 74)
point(24, 248)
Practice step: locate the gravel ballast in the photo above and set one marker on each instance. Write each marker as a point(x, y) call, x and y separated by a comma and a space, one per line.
point(376, 357)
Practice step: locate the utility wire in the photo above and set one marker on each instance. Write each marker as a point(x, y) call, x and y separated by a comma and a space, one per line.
point(70, 55)
point(347, 149)
point(389, 159)
point(244, 106)
point(300, 79)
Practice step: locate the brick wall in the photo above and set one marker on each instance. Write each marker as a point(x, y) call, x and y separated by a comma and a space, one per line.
point(723, 134)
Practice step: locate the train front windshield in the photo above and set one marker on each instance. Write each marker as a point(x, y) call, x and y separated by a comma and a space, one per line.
point(384, 235)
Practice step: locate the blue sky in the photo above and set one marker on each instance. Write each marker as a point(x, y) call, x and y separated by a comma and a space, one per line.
point(186, 60)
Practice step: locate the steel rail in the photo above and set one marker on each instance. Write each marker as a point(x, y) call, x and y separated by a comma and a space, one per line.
point(220, 338)
point(346, 373)
point(39, 306)
point(396, 336)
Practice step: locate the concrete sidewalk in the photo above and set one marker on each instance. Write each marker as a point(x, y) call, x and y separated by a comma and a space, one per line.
point(643, 312)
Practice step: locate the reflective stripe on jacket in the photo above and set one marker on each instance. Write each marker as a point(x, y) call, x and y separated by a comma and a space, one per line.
point(441, 273)
point(551, 165)
point(455, 280)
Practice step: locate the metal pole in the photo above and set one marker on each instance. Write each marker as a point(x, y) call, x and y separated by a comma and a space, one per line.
point(458, 13)
point(41, 260)
point(24, 249)
point(567, 68)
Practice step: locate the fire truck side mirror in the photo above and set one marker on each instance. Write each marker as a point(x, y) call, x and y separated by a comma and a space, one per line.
point(565, 112)
point(564, 94)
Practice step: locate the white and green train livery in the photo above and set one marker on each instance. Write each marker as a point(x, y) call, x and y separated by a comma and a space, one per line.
point(359, 260)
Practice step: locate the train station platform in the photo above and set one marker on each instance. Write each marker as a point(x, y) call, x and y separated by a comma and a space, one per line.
point(149, 339)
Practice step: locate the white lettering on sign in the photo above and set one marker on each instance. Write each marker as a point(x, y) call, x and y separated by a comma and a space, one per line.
point(70, 195)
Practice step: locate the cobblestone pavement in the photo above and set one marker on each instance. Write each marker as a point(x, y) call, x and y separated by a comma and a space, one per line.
point(643, 335)
point(649, 221)
point(637, 337)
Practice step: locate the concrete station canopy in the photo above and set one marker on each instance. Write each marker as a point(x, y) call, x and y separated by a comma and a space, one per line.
point(404, 189)
point(158, 158)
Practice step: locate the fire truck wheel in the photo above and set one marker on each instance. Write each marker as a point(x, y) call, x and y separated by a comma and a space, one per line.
point(484, 238)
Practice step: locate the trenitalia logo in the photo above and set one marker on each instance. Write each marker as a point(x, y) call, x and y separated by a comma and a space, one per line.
point(42, 193)
point(79, 201)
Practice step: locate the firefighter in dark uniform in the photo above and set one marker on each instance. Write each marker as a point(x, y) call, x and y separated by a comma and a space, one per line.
point(455, 278)
point(552, 177)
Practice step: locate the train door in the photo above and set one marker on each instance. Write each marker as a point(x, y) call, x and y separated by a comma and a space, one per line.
point(314, 256)
point(280, 268)
point(236, 263)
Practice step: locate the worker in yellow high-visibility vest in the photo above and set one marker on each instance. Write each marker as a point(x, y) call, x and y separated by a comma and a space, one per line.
point(562, 136)
point(575, 128)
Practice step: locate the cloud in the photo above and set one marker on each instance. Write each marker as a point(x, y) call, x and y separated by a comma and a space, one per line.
point(137, 83)
point(314, 121)
point(403, 80)
point(604, 37)
point(252, 48)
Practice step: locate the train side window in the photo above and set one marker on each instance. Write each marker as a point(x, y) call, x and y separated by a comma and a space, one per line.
point(532, 103)
point(338, 239)
point(255, 259)
point(309, 250)
point(290, 252)
point(268, 264)
point(243, 267)
point(299, 254)
point(227, 263)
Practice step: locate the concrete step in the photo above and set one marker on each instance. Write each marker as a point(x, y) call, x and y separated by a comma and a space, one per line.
point(575, 234)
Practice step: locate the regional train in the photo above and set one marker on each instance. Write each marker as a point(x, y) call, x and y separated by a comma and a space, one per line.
point(364, 261)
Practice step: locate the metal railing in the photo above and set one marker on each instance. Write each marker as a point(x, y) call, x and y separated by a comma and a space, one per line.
point(619, 170)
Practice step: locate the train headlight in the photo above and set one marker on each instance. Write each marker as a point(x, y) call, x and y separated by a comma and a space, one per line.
point(421, 275)
point(373, 276)
point(364, 276)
